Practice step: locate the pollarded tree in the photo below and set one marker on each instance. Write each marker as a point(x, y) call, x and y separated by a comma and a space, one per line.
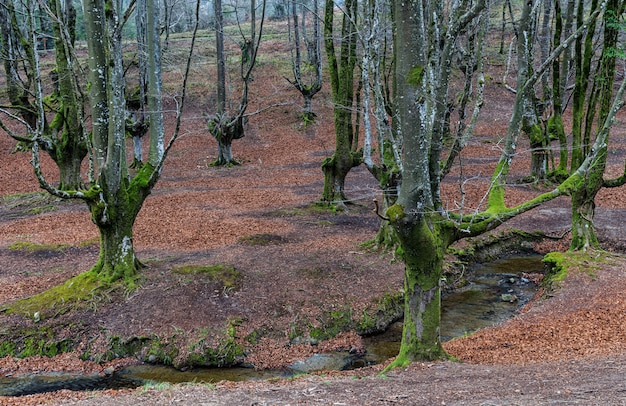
point(383, 138)
point(303, 38)
point(563, 26)
point(341, 65)
point(62, 137)
point(531, 126)
point(425, 38)
point(226, 126)
point(114, 196)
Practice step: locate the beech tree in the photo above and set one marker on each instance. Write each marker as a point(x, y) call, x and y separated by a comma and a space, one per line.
point(227, 124)
point(63, 136)
point(305, 36)
point(114, 195)
point(381, 145)
point(426, 35)
point(531, 125)
point(341, 66)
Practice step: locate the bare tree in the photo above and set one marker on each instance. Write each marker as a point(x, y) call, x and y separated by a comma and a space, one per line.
point(424, 225)
point(302, 40)
point(595, 112)
point(380, 137)
point(226, 126)
point(62, 137)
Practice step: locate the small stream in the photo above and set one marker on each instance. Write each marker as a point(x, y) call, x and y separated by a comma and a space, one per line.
point(495, 292)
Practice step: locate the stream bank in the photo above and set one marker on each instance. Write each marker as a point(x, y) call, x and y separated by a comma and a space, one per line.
point(494, 292)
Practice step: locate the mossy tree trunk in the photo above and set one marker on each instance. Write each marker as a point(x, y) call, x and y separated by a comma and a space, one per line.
point(114, 214)
point(421, 83)
point(70, 147)
point(583, 49)
point(114, 197)
point(423, 243)
point(560, 73)
point(530, 125)
point(420, 243)
point(112, 205)
point(341, 68)
point(63, 138)
point(600, 101)
point(225, 130)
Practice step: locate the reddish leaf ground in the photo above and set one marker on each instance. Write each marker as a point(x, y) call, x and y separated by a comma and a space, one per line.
point(567, 347)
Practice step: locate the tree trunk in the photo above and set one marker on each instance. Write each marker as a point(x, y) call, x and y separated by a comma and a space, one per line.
point(115, 221)
point(583, 231)
point(337, 167)
point(225, 130)
point(70, 169)
point(530, 122)
point(221, 58)
point(307, 109)
point(225, 153)
point(422, 251)
point(583, 196)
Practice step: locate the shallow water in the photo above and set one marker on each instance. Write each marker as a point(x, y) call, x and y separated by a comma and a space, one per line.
point(495, 292)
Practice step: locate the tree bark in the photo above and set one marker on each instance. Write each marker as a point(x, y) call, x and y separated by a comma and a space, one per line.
point(63, 138)
point(114, 216)
point(118, 198)
point(313, 65)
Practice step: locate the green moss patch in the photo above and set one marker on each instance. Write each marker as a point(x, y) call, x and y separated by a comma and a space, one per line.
point(219, 348)
point(227, 275)
point(376, 318)
point(32, 247)
point(560, 264)
point(29, 342)
point(82, 288)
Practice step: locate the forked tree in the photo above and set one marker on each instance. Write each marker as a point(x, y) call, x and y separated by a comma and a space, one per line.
point(592, 118)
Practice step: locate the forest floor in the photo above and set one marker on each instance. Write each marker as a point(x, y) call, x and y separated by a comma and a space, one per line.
point(296, 264)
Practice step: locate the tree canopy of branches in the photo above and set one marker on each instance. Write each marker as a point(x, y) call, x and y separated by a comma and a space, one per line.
point(302, 39)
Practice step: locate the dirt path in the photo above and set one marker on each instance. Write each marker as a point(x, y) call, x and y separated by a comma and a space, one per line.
point(597, 382)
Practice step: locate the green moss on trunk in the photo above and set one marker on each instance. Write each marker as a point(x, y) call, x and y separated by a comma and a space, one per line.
point(423, 244)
